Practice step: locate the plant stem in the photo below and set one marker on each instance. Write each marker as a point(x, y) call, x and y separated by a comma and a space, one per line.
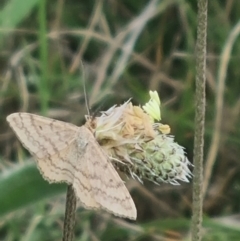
point(69, 220)
point(199, 119)
point(43, 42)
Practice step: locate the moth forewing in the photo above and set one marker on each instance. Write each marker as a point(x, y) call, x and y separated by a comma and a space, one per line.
point(67, 153)
point(108, 189)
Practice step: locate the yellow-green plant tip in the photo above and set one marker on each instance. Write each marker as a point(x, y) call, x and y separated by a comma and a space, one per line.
point(154, 95)
point(151, 111)
point(152, 107)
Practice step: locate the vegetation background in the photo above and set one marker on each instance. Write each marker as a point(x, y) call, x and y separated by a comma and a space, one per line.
point(122, 49)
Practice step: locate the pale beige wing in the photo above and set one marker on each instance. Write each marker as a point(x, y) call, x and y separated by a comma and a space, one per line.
point(43, 137)
point(107, 187)
point(59, 167)
point(81, 183)
point(53, 144)
point(64, 167)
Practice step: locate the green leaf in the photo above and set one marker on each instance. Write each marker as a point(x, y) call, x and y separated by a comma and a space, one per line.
point(14, 12)
point(23, 185)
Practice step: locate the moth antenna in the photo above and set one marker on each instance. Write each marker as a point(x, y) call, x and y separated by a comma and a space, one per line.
point(84, 88)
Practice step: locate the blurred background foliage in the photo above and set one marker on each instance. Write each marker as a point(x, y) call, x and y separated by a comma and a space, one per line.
point(121, 49)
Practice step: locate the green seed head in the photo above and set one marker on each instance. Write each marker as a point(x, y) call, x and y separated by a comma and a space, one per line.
point(138, 146)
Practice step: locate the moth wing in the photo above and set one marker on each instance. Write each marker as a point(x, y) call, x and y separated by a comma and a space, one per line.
point(41, 136)
point(81, 183)
point(107, 187)
point(53, 144)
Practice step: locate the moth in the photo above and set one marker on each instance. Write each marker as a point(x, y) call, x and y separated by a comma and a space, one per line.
point(68, 153)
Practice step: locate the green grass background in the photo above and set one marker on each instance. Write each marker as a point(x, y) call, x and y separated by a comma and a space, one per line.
point(121, 50)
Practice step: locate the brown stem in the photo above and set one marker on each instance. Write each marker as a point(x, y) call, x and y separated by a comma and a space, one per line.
point(69, 220)
point(199, 119)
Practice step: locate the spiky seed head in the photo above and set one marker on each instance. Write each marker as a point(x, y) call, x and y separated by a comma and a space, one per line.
point(138, 146)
